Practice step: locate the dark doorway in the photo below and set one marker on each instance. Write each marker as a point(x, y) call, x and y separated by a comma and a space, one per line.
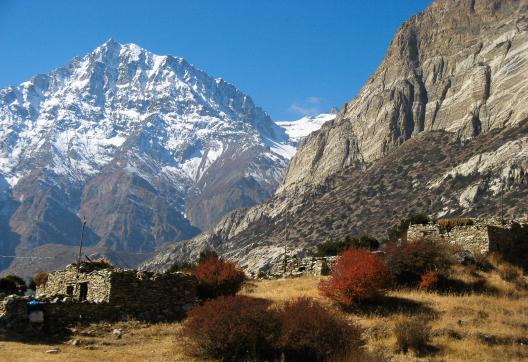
point(69, 290)
point(83, 291)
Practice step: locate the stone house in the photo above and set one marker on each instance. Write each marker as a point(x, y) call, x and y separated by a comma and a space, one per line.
point(94, 294)
point(92, 286)
point(118, 286)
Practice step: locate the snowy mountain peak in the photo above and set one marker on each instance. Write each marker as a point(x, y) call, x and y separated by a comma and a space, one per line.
point(149, 148)
point(298, 129)
point(114, 92)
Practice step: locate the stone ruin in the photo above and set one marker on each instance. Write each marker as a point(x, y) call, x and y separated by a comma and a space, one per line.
point(70, 295)
point(478, 235)
point(119, 286)
point(299, 266)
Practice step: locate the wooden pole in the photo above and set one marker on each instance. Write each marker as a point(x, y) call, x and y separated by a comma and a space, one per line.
point(81, 244)
point(285, 247)
point(502, 202)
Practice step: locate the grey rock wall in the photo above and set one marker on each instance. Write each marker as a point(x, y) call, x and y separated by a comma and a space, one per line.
point(452, 67)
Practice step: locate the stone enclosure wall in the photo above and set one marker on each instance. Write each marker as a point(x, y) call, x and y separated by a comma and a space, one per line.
point(471, 237)
point(152, 289)
point(295, 266)
point(58, 314)
point(511, 242)
point(484, 235)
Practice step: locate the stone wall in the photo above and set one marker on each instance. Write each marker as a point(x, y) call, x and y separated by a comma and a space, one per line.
point(300, 266)
point(59, 281)
point(59, 314)
point(484, 235)
point(13, 312)
point(150, 289)
point(118, 286)
point(511, 241)
point(470, 237)
point(127, 294)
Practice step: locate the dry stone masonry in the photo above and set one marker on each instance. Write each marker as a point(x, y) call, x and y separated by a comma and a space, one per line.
point(297, 266)
point(72, 295)
point(121, 287)
point(481, 235)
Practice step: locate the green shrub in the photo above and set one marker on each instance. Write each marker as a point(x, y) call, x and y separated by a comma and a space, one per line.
point(205, 254)
point(180, 267)
point(333, 248)
point(20, 284)
point(7, 286)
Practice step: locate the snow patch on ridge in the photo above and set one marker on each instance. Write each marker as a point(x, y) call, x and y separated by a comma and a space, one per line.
point(297, 130)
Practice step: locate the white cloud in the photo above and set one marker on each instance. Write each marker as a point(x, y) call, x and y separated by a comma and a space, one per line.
point(311, 106)
point(314, 100)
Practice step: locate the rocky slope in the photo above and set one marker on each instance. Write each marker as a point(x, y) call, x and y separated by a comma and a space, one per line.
point(147, 148)
point(439, 128)
point(458, 66)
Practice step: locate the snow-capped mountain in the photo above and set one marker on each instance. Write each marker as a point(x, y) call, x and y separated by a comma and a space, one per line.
point(302, 127)
point(148, 148)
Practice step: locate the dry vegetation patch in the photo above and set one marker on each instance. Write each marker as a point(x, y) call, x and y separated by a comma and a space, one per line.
point(486, 325)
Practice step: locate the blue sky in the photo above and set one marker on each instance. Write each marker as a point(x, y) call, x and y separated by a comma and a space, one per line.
point(293, 57)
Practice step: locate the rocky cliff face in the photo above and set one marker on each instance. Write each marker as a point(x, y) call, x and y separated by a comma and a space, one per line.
point(439, 128)
point(458, 66)
point(148, 148)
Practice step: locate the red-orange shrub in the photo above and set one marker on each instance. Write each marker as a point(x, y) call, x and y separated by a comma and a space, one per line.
point(233, 328)
point(218, 277)
point(430, 280)
point(309, 332)
point(357, 275)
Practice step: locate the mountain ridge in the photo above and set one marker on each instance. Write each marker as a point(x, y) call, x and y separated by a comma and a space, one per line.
point(148, 148)
point(451, 82)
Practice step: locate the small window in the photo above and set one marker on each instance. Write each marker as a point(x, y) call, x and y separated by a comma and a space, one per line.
point(83, 292)
point(69, 290)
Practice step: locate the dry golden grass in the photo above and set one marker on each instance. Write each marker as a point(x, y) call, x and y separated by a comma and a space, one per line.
point(487, 326)
point(280, 290)
point(471, 327)
point(140, 342)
